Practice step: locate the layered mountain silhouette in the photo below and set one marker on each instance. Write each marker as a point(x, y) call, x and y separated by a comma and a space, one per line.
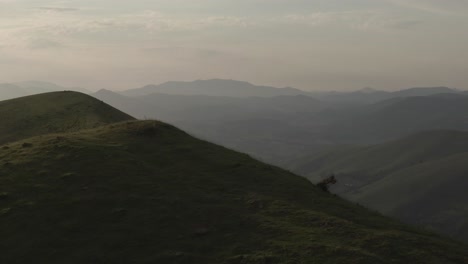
point(398, 117)
point(214, 87)
point(147, 192)
point(369, 95)
point(280, 129)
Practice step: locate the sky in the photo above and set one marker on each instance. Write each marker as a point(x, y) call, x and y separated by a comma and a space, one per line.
point(307, 44)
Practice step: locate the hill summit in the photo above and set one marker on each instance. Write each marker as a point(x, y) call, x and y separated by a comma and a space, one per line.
point(53, 113)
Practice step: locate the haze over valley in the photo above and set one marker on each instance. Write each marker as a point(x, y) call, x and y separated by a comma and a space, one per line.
point(233, 132)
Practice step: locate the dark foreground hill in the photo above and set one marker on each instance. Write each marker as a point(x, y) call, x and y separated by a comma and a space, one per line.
point(146, 192)
point(54, 112)
point(421, 179)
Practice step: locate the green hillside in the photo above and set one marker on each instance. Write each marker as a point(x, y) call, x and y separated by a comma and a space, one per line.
point(146, 192)
point(421, 179)
point(53, 112)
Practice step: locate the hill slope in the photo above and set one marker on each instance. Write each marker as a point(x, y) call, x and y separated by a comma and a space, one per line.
point(145, 192)
point(420, 179)
point(399, 117)
point(53, 112)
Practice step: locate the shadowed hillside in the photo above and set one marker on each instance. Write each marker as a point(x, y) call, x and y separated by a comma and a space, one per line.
point(146, 192)
point(398, 117)
point(420, 179)
point(53, 112)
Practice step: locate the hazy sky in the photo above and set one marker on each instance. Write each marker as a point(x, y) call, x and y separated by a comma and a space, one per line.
point(308, 44)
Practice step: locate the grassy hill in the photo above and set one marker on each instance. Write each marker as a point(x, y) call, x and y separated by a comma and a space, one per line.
point(146, 192)
point(420, 179)
point(53, 112)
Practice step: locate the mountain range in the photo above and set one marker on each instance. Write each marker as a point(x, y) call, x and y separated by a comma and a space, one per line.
point(214, 87)
point(147, 192)
point(299, 135)
point(317, 137)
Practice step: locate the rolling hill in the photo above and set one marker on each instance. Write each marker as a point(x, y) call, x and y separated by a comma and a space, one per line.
point(421, 179)
point(396, 118)
point(147, 192)
point(52, 113)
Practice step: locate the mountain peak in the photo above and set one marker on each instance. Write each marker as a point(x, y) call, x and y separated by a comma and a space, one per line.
point(64, 111)
point(214, 87)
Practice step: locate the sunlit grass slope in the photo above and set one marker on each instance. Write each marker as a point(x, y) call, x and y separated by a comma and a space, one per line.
point(146, 192)
point(53, 112)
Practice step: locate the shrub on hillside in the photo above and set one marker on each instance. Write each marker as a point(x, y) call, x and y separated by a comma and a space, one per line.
point(326, 183)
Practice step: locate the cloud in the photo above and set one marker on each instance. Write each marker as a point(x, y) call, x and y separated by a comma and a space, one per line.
point(58, 9)
point(358, 20)
point(445, 7)
point(43, 43)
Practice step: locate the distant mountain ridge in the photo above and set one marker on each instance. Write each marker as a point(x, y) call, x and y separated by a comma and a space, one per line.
point(231, 88)
point(214, 87)
point(282, 128)
point(370, 95)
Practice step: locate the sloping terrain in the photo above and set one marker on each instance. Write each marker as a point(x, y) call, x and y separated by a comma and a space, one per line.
point(146, 192)
point(53, 112)
point(398, 117)
point(421, 179)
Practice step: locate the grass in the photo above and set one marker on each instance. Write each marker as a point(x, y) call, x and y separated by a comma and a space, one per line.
point(52, 113)
point(146, 192)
